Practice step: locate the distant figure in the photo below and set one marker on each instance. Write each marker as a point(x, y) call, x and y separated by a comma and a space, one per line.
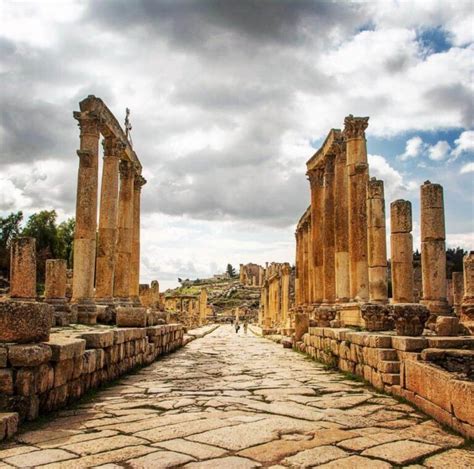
point(246, 326)
point(237, 327)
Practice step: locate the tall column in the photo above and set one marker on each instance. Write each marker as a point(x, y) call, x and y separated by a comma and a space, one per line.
point(401, 247)
point(124, 234)
point(298, 267)
point(285, 293)
point(139, 182)
point(23, 268)
point(358, 174)
point(328, 226)
point(107, 237)
point(458, 291)
point(377, 243)
point(341, 221)
point(467, 308)
point(433, 249)
point(306, 261)
point(86, 211)
point(316, 178)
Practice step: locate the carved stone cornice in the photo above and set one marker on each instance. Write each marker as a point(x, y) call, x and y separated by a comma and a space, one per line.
point(127, 169)
point(316, 178)
point(354, 127)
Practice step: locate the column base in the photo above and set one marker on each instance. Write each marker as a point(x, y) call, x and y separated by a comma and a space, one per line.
point(125, 302)
point(84, 312)
point(436, 308)
point(62, 311)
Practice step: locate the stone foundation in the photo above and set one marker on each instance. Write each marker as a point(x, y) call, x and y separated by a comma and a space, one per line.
point(409, 367)
point(42, 377)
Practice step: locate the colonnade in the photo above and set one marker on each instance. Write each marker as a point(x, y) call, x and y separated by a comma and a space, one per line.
point(107, 257)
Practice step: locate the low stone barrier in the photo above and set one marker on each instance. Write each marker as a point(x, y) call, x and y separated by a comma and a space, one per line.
point(41, 377)
point(410, 367)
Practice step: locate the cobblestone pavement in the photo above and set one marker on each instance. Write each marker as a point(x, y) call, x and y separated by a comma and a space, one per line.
point(236, 401)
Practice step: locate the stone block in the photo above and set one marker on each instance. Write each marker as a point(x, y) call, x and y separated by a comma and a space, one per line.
point(89, 361)
point(409, 344)
point(376, 379)
point(63, 372)
point(64, 348)
point(131, 317)
point(391, 378)
point(6, 381)
point(98, 339)
point(45, 378)
point(29, 354)
point(25, 381)
point(451, 342)
point(3, 357)
point(380, 341)
point(447, 325)
point(25, 322)
point(462, 400)
point(388, 367)
point(8, 424)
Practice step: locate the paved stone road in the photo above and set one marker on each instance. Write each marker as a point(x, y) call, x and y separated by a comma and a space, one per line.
point(237, 402)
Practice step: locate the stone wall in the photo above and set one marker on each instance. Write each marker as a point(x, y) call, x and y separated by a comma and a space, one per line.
point(405, 367)
point(38, 378)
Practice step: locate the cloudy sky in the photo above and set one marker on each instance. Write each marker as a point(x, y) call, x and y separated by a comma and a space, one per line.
point(228, 100)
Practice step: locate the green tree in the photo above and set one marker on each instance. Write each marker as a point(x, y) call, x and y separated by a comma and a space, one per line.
point(10, 228)
point(42, 226)
point(66, 240)
point(230, 271)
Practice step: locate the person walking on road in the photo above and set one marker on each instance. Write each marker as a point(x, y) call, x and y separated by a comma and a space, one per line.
point(246, 326)
point(237, 327)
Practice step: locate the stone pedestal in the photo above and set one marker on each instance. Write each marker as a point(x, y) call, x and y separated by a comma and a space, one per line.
point(358, 176)
point(107, 237)
point(433, 249)
point(55, 291)
point(301, 325)
point(377, 244)
point(23, 269)
point(401, 242)
point(24, 321)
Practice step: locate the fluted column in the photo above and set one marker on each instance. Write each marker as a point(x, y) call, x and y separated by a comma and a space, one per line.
point(107, 237)
point(341, 222)
point(139, 182)
point(358, 176)
point(433, 248)
point(316, 178)
point(124, 233)
point(401, 247)
point(86, 210)
point(377, 243)
point(329, 268)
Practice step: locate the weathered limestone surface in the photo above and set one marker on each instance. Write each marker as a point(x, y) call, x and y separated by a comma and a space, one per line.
point(139, 182)
point(377, 244)
point(55, 281)
point(107, 236)
point(329, 267)
point(358, 174)
point(271, 407)
point(316, 178)
point(401, 242)
point(23, 268)
point(433, 248)
point(467, 307)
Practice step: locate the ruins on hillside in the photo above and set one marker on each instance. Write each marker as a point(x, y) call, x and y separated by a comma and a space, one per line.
point(251, 275)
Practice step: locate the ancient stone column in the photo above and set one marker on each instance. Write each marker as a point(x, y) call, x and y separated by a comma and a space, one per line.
point(202, 306)
point(458, 291)
point(86, 211)
point(298, 267)
point(401, 246)
point(433, 249)
point(316, 178)
point(328, 227)
point(55, 279)
point(377, 243)
point(358, 174)
point(124, 234)
point(467, 308)
point(135, 265)
point(23, 268)
point(306, 261)
point(241, 273)
point(341, 221)
point(107, 237)
point(285, 292)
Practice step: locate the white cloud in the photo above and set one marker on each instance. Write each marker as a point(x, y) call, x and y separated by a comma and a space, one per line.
point(439, 151)
point(413, 148)
point(467, 168)
point(463, 144)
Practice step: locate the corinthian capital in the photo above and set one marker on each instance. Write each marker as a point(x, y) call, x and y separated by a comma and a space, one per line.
point(126, 169)
point(88, 123)
point(354, 127)
point(316, 177)
point(139, 182)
